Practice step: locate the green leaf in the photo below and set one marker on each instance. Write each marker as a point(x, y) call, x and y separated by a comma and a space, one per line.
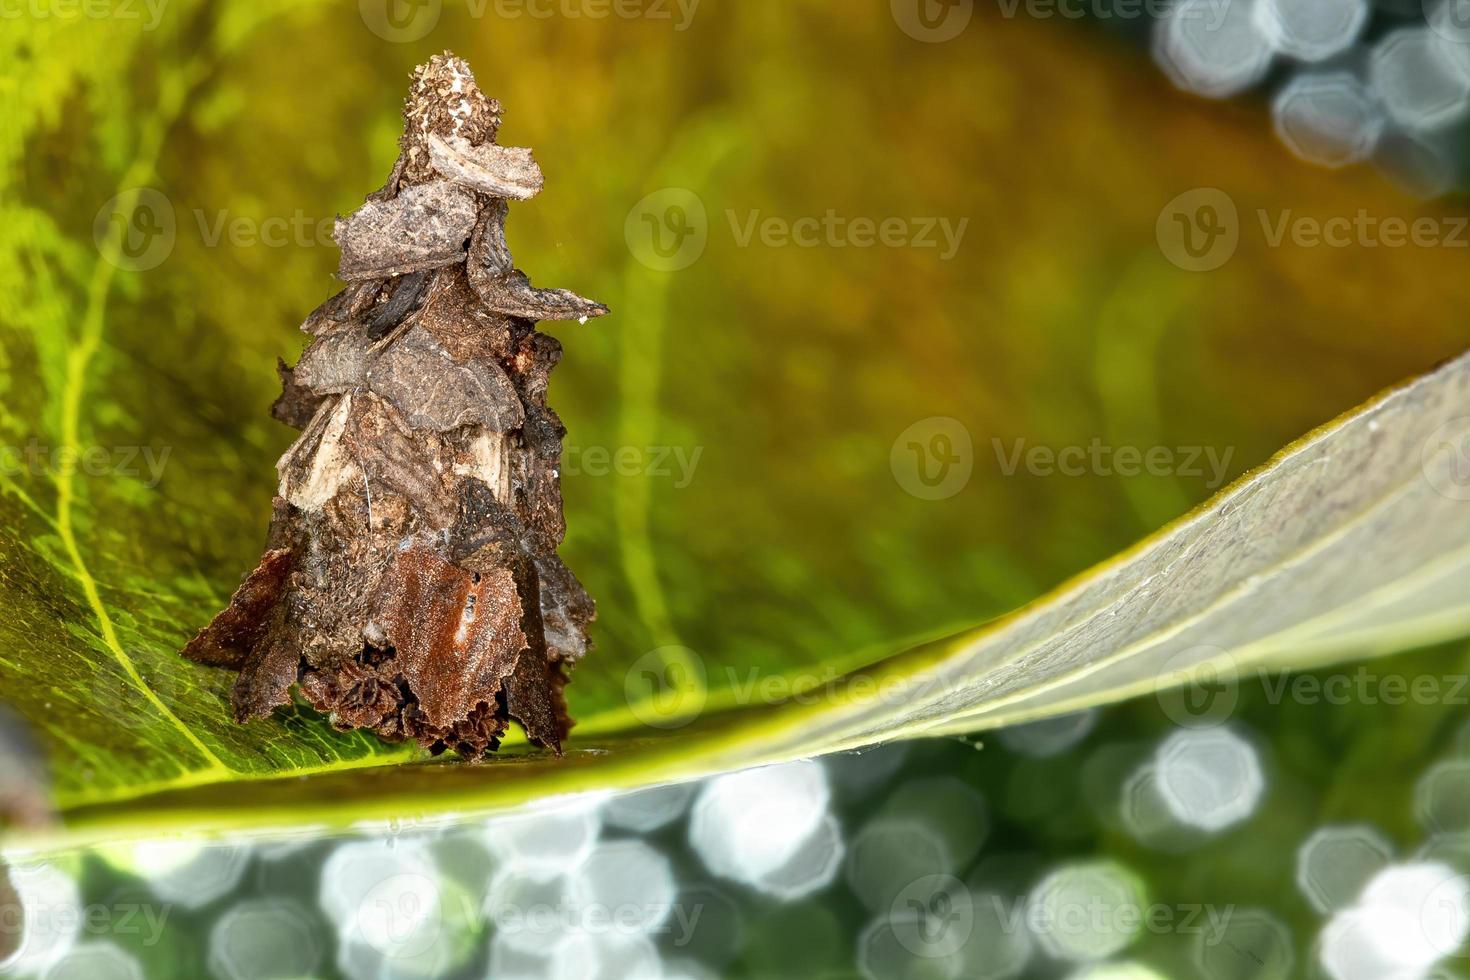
point(743, 480)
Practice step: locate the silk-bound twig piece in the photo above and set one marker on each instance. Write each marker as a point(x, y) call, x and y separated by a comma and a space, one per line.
point(411, 584)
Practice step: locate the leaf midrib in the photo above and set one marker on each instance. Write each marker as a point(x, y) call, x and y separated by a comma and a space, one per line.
point(143, 166)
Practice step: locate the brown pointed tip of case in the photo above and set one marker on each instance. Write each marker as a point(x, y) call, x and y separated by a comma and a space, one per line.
point(228, 639)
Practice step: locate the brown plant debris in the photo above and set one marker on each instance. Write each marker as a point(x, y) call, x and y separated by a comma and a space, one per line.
point(411, 584)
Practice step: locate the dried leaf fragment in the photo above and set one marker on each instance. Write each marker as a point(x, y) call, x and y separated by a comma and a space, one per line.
point(228, 640)
point(335, 362)
point(433, 391)
point(505, 289)
point(457, 633)
point(425, 227)
point(500, 171)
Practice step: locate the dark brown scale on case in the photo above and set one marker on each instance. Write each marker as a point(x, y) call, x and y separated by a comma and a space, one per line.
point(412, 586)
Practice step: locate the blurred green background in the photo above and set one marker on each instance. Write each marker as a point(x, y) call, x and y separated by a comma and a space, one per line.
point(766, 522)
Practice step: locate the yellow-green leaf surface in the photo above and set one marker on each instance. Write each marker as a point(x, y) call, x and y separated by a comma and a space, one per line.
point(747, 430)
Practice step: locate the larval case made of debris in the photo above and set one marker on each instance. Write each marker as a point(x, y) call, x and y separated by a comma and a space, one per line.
point(411, 584)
